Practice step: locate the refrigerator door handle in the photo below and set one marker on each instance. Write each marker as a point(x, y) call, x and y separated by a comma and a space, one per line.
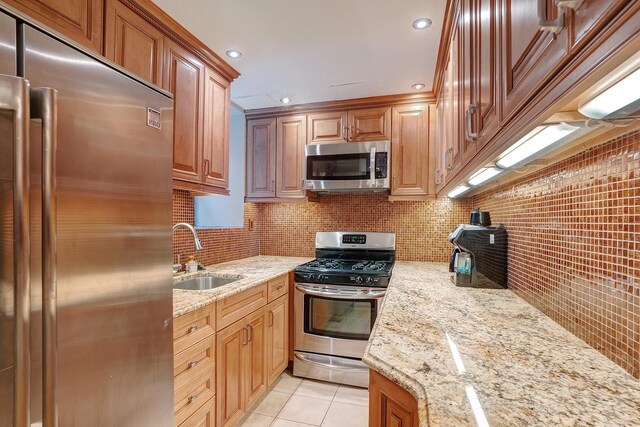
point(14, 96)
point(44, 107)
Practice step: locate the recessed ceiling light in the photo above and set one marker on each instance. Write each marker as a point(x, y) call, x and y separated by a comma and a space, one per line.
point(421, 23)
point(234, 53)
point(285, 100)
point(418, 86)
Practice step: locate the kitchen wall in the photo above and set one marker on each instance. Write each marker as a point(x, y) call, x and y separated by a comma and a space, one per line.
point(220, 244)
point(421, 227)
point(574, 244)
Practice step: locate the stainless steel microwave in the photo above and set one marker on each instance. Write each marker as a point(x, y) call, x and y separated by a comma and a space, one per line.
point(348, 167)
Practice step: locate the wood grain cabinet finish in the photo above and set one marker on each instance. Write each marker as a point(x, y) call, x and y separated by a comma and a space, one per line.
point(390, 404)
point(261, 158)
point(410, 149)
point(291, 136)
point(370, 124)
point(132, 42)
point(217, 104)
point(589, 18)
point(203, 417)
point(194, 395)
point(530, 55)
point(184, 77)
point(327, 127)
point(80, 20)
point(277, 338)
point(255, 357)
point(192, 328)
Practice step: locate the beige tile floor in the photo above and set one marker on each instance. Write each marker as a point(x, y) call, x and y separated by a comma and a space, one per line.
point(294, 402)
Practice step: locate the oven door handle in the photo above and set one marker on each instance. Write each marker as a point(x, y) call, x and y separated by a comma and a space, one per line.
point(309, 360)
point(342, 295)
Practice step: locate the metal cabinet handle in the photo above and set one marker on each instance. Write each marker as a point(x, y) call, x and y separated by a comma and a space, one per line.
point(44, 107)
point(245, 336)
point(207, 166)
point(552, 26)
point(571, 4)
point(271, 186)
point(302, 184)
point(192, 329)
point(448, 165)
point(473, 108)
point(192, 398)
point(270, 317)
point(192, 364)
point(438, 181)
point(250, 333)
point(14, 96)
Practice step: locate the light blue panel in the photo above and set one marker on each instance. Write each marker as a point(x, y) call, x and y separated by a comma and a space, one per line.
point(227, 211)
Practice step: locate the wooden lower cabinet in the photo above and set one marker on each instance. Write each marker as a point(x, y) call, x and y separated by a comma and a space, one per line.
point(277, 338)
point(255, 368)
point(203, 417)
point(389, 404)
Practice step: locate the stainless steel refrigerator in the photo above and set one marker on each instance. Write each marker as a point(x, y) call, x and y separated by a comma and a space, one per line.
point(85, 237)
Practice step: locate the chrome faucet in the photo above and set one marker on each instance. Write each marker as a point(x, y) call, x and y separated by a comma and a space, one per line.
point(196, 240)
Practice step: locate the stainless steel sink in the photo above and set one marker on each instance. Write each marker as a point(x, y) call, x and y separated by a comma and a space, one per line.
point(204, 283)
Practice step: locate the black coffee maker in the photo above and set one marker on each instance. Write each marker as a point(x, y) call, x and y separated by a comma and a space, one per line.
point(479, 258)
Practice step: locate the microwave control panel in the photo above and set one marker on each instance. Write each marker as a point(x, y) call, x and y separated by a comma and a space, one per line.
point(381, 165)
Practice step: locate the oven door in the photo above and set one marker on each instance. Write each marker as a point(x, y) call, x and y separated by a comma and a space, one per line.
point(351, 166)
point(335, 319)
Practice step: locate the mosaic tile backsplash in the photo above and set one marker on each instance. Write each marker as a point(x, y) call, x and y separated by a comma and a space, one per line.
point(574, 244)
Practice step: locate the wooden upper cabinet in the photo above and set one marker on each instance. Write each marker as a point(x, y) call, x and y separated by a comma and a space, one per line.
point(184, 76)
point(529, 54)
point(217, 103)
point(452, 108)
point(410, 151)
point(328, 127)
point(80, 20)
point(291, 137)
point(261, 157)
point(371, 124)
point(132, 42)
point(589, 18)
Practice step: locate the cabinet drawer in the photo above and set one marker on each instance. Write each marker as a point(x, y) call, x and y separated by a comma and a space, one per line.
point(277, 287)
point(235, 307)
point(193, 327)
point(193, 396)
point(194, 362)
point(203, 417)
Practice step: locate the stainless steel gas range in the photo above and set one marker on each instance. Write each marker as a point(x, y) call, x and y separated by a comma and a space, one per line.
point(336, 302)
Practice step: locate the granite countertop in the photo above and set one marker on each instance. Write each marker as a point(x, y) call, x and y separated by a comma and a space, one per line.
point(253, 271)
point(463, 351)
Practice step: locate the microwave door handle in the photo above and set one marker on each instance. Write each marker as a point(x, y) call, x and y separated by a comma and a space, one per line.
point(44, 107)
point(372, 163)
point(14, 96)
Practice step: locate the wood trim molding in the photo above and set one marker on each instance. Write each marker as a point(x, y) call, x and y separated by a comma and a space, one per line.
point(346, 104)
point(443, 49)
point(180, 35)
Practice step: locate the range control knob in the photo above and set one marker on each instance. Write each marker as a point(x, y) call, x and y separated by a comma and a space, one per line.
point(311, 277)
point(369, 280)
point(358, 280)
point(322, 278)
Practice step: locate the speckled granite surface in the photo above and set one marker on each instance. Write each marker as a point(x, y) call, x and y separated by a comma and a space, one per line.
point(252, 271)
point(522, 368)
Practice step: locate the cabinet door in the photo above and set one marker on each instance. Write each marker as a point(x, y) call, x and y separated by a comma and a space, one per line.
point(468, 86)
point(217, 102)
point(529, 55)
point(371, 124)
point(80, 20)
point(255, 357)
point(231, 343)
point(410, 150)
point(327, 127)
point(390, 404)
point(486, 75)
point(183, 76)
point(132, 42)
point(277, 338)
point(452, 108)
point(261, 158)
point(587, 20)
point(291, 136)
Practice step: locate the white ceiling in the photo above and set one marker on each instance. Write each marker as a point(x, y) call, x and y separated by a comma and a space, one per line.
point(312, 50)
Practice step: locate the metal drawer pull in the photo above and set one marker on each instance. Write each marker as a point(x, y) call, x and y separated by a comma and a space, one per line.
point(551, 26)
point(446, 159)
point(270, 317)
point(192, 364)
point(245, 336)
point(571, 4)
point(192, 329)
point(192, 399)
point(473, 108)
point(249, 333)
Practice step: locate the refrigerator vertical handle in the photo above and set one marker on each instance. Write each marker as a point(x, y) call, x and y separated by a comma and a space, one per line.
point(14, 96)
point(43, 106)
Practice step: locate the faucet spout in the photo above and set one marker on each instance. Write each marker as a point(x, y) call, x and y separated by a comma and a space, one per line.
point(189, 227)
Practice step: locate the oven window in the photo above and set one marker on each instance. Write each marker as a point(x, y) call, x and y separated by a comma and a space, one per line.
point(347, 319)
point(339, 167)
